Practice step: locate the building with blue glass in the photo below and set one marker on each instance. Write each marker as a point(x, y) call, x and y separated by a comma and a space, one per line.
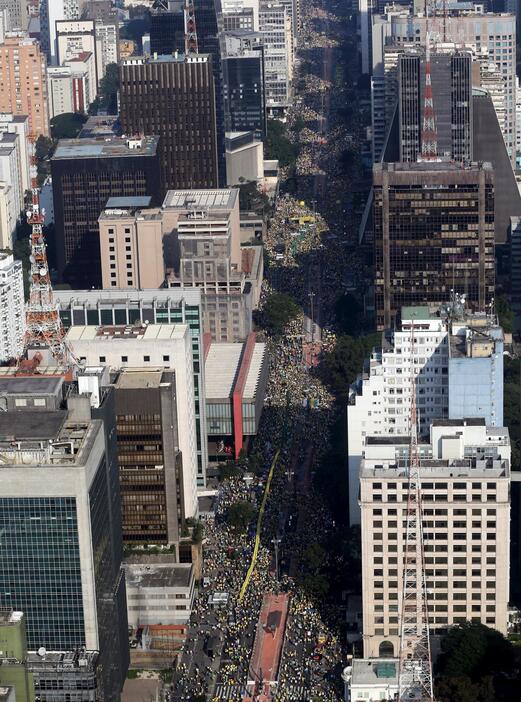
point(60, 551)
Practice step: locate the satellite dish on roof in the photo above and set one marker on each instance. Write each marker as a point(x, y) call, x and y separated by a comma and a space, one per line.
point(43, 270)
point(32, 259)
point(42, 651)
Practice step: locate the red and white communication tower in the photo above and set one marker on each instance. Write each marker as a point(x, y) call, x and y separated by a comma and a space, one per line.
point(191, 45)
point(429, 135)
point(415, 664)
point(44, 327)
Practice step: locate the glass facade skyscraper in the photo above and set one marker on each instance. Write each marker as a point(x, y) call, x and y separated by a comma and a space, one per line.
point(40, 569)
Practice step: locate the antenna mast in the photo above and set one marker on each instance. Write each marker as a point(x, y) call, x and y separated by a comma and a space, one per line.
point(44, 327)
point(429, 136)
point(191, 45)
point(415, 664)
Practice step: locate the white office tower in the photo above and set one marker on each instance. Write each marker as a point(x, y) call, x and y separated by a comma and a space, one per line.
point(276, 30)
point(150, 347)
point(231, 7)
point(51, 11)
point(18, 17)
point(12, 311)
point(458, 361)
point(465, 485)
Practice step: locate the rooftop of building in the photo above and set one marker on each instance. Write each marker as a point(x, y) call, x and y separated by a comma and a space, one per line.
point(165, 58)
point(111, 296)
point(9, 617)
point(44, 438)
point(108, 147)
point(7, 693)
point(439, 468)
point(222, 366)
point(418, 312)
point(139, 379)
point(132, 201)
point(100, 126)
point(131, 211)
point(139, 332)
point(63, 660)
point(22, 385)
point(470, 422)
point(159, 576)
point(183, 200)
point(374, 671)
point(439, 165)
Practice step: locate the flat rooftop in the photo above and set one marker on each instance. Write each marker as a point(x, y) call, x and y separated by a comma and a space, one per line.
point(128, 201)
point(103, 148)
point(426, 166)
point(165, 58)
point(138, 379)
point(10, 616)
point(221, 199)
point(375, 671)
point(141, 332)
point(112, 297)
point(18, 385)
point(178, 575)
point(28, 425)
point(419, 312)
point(221, 369)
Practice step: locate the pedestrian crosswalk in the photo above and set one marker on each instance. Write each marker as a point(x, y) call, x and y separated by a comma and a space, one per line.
point(226, 692)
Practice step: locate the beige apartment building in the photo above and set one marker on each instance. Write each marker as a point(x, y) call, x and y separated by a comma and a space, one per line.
point(192, 241)
point(23, 83)
point(466, 520)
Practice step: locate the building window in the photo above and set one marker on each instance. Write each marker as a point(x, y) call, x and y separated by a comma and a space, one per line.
point(146, 359)
point(102, 359)
point(124, 359)
point(166, 358)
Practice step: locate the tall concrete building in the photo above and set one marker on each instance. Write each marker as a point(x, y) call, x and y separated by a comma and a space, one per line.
point(173, 97)
point(451, 80)
point(12, 321)
point(158, 347)
point(459, 357)
point(23, 81)
point(61, 676)
point(51, 11)
point(433, 234)
point(85, 174)
point(244, 89)
point(19, 124)
point(167, 28)
point(17, 13)
point(465, 485)
point(75, 37)
point(13, 655)
point(198, 233)
point(59, 516)
point(276, 30)
point(129, 307)
point(496, 33)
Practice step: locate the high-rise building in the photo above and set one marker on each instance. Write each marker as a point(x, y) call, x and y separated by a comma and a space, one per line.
point(238, 20)
point(465, 485)
point(85, 174)
point(451, 80)
point(173, 97)
point(167, 28)
point(23, 81)
point(75, 37)
point(19, 124)
point(60, 90)
point(243, 75)
point(157, 347)
point(59, 516)
point(17, 13)
point(51, 11)
point(61, 676)
point(138, 307)
point(433, 234)
point(200, 234)
point(460, 361)
point(12, 321)
point(241, 7)
point(275, 28)
point(106, 29)
point(10, 168)
point(13, 655)
point(496, 33)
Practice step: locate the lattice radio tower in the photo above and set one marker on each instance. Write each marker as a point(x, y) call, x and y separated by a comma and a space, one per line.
point(429, 134)
point(44, 327)
point(191, 45)
point(415, 664)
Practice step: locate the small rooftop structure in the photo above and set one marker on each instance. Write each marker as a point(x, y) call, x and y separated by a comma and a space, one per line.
point(106, 147)
point(139, 332)
point(129, 201)
point(221, 199)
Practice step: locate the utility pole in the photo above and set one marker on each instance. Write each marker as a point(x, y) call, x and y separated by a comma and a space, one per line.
point(276, 543)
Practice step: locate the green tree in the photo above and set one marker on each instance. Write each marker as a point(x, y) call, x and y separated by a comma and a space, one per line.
point(314, 557)
point(345, 361)
point(108, 89)
point(474, 650)
point(228, 470)
point(349, 314)
point(505, 314)
point(239, 515)
point(67, 125)
point(278, 145)
point(279, 310)
point(252, 199)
